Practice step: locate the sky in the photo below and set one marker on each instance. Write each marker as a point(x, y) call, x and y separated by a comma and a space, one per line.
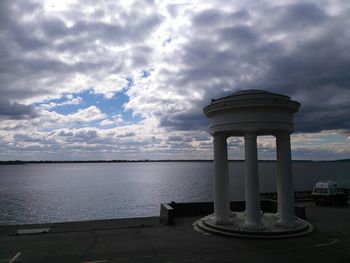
point(83, 80)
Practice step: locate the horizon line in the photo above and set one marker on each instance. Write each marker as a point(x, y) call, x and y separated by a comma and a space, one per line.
point(149, 160)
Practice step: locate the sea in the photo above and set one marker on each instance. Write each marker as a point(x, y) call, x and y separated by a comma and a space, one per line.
point(63, 192)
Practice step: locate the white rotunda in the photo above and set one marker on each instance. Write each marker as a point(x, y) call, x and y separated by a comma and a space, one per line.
point(251, 113)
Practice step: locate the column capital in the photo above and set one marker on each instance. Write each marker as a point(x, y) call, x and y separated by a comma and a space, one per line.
point(220, 135)
point(250, 135)
point(282, 135)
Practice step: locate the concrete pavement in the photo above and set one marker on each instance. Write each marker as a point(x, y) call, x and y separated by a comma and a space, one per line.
point(144, 240)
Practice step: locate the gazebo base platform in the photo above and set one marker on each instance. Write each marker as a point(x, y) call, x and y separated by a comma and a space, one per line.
point(270, 228)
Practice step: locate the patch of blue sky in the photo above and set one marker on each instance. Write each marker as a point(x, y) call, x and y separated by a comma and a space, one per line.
point(110, 107)
point(130, 81)
point(63, 108)
point(146, 73)
point(167, 41)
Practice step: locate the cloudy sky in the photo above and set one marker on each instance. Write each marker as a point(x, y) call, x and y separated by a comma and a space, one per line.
point(128, 79)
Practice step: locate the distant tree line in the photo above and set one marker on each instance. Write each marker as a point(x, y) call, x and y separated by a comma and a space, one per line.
point(18, 162)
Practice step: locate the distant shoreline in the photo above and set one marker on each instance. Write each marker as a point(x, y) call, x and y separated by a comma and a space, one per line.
point(11, 162)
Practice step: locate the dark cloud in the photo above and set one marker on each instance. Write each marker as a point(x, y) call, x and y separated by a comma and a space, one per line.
point(54, 27)
point(136, 30)
point(208, 17)
point(8, 7)
point(311, 154)
point(299, 49)
point(301, 15)
point(34, 41)
point(65, 134)
point(85, 136)
point(175, 138)
point(184, 121)
point(16, 111)
point(127, 134)
point(240, 35)
point(32, 138)
point(216, 17)
point(312, 119)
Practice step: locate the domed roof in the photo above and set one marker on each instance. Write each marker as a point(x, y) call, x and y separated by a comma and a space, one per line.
point(251, 98)
point(250, 91)
point(251, 94)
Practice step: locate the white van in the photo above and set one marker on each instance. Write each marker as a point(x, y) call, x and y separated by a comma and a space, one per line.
point(328, 192)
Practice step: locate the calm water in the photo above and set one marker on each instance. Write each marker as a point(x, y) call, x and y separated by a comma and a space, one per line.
point(36, 193)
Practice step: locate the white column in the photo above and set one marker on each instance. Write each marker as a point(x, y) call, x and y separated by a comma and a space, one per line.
point(278, 185)
point(285, 186)
point(221, 185)
point(252, 195)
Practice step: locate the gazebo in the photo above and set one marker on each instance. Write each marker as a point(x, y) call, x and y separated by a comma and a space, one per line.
point(252, 113)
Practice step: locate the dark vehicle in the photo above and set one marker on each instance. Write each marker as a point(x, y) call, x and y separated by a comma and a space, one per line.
point(328, 192)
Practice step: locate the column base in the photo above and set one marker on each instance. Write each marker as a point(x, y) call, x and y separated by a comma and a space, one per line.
point(288, 224)
point(221, 220)
point(261, 213)
point(253, 226)
point(276, 216)
point(237, 229)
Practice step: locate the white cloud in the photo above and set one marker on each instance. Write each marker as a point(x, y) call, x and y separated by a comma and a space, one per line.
point(70, 101)
point(110, 85)
point(106, 122)
point(114, 120)
point(89, 114)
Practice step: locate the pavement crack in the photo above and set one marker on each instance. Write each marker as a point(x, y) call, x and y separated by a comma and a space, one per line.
point(331, 242)
point(94, 241)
